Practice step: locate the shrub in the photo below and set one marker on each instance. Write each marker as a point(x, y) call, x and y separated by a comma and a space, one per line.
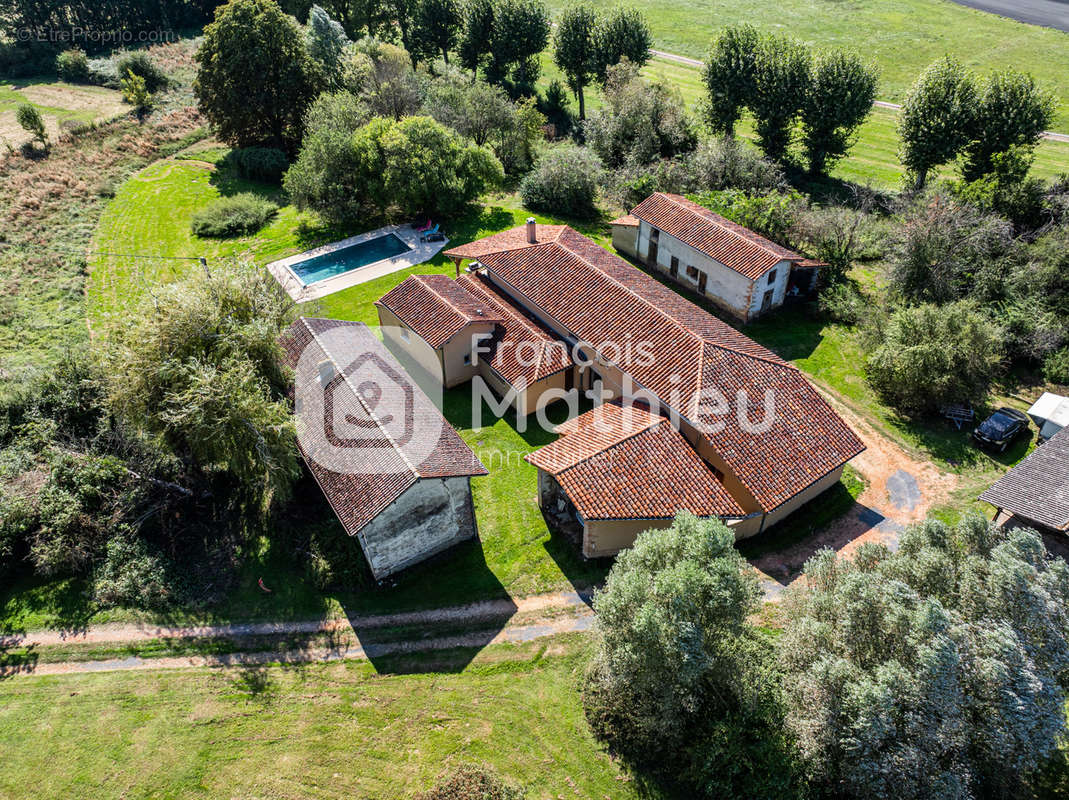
point(131, 575)
point(473, 783)
point(266, 164)
point(238, 215)
point(135, 92)
point(1056, 367)
point(773, 214)
point(556, 107)
point(930, 356)
point(843, 303)
point(565, 181)
point(727, 163)
point(31, 121)
point(73, 66)
point(143, 67)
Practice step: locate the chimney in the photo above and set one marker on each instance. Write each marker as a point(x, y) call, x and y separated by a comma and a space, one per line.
point(531, 237)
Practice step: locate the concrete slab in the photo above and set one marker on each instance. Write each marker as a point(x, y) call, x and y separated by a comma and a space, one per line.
point(418, 253)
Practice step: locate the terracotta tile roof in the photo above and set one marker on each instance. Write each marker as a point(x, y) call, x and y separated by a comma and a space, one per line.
point(599, 298)
point(512, 239)
point(436, 307)
point(360, 482)
point(731, 244)
point(628, 220)
point(1037, 489)
point(626, 463)
point(523, 348)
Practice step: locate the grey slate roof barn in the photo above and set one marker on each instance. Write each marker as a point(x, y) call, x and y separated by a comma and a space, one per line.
point(1036, 491)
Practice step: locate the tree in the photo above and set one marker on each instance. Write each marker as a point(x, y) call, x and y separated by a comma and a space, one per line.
point(640, 122)
point(325, 169)
point(436, 28)
point(476, 34)
point(837, 100)
point(404, 168)
point(555, 106)
point(575, 52)
point(199, 369)
point(136, 93)
point(781, 75)
point(681, 684)
point(383, 77)
point(564, 181)
point(31, 121)
point(932, 672)
point(519, 34)
point(622, 33)
point(326, 43)
point(945, 251)
point(936, 118)
point(255, 79)
point(929, 356)
point(1011, 114)
point(729, 74)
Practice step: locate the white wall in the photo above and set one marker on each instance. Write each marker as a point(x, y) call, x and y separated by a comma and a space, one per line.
point(729, 289)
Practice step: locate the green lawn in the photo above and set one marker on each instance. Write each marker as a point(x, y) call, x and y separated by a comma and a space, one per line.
point(901, 36)
point(327, 730)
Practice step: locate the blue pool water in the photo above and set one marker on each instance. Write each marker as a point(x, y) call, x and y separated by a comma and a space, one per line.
point(328, 265)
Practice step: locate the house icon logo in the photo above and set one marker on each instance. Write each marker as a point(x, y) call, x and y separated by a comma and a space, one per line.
point(386, 402)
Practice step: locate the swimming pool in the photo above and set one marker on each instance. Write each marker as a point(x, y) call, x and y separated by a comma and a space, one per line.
point(345, 259)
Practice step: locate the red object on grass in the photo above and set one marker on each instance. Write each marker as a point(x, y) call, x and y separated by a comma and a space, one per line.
point(261, 583)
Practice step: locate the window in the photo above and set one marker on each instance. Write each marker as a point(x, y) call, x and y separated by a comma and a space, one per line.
point(692, 272)
point(655, 235)
point(467, 360)
point(771, 277)
point(673, 269)
point(405, 334)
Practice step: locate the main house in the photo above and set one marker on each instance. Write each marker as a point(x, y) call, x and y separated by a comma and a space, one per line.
point(703, 419)
point(740, 271)
point(403, 496)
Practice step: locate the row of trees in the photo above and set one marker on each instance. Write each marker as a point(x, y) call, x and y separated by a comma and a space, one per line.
point(950, 113)
point(932, 672)
point(781, 82)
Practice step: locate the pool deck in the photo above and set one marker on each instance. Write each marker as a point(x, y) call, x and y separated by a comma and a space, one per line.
point(420, 252)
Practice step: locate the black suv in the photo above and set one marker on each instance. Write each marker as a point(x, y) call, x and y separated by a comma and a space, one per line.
point(1001, 428)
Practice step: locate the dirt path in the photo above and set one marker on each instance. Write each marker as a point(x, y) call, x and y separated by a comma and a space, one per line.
point(474, 612)
point(901, 490)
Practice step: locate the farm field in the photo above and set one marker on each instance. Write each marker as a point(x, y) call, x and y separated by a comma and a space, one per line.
point(327, 730)
point(901, 36)
point(60, 104)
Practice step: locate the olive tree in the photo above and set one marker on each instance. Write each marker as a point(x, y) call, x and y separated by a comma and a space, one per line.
point(936, 118)
point(837, 100)
point(933, 672)
point(729, 77)
point(680, 683)
point(1011, 113)
point(781, 76)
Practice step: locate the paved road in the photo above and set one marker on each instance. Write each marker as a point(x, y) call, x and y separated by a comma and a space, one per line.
point(1048, 13)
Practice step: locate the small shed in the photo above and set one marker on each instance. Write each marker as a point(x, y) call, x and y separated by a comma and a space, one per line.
point(1036, 491)
point(1050, 413)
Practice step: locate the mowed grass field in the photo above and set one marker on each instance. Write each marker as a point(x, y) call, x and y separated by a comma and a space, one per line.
point(901, 36)
point(59, 103)
point(326, 730)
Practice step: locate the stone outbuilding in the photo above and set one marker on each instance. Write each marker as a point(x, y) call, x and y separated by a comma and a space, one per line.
point(392, 468)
